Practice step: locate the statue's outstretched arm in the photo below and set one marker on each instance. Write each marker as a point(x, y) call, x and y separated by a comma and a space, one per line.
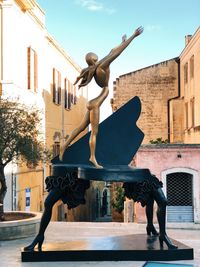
point(86, 75)
point(80, 76)
point(115, 52)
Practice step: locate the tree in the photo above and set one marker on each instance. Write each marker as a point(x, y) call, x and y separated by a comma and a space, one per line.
point(159, 141)
point(119, 198)
point(18, 139)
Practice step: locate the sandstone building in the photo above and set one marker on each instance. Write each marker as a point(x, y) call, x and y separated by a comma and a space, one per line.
point(35, 69)
point(156, 86)
point(170, 96)
point(190, 88)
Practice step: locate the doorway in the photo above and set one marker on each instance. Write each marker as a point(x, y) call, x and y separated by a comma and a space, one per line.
point(179, 191)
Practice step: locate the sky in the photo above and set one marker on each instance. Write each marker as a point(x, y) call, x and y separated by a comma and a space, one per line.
point(82, 26)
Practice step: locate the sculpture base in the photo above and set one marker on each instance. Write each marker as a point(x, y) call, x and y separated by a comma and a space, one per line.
point(137, 247)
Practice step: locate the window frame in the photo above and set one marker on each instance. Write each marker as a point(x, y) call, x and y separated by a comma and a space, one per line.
point(186, 116)
point(185, 73)
point(192, 67)
point(32, 71)
point(192, 108)
point(56, 87)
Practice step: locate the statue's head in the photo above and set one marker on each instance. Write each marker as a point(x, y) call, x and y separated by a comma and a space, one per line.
point(91, 58)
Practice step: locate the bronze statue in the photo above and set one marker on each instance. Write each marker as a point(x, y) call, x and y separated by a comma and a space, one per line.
point(101, 72)
point(67, 185)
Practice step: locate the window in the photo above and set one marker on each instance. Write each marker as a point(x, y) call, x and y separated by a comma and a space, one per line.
point(192, 67)
point(186, 73)
point(56, 87)
point(192, 112)
point(70, 94)
point(180, 197)
point(186, 115)
point(32, 70)
point(74, 95)
point(67, 94)
point(56, 149)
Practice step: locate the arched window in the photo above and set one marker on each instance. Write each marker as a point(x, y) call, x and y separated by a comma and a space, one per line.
point(181, 187)
point(180, 197)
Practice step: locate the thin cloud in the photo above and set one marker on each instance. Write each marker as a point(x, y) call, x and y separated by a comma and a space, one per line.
point(152, 28)
point(110, 10)
point(93, 5)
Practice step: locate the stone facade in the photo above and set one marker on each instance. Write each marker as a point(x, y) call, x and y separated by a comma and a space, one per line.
point(190, 88)
point(170, 95)
point(35, 69)
point(155, 85)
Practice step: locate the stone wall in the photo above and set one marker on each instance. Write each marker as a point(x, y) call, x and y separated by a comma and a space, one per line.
point(155, 85)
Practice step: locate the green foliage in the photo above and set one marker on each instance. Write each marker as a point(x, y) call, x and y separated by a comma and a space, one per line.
point(119, 198)
point(159, 141)
point(19, 133)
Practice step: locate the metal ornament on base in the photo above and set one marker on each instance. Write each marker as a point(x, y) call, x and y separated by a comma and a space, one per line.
point(106, 158)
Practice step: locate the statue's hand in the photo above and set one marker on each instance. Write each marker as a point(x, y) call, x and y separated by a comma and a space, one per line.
point(138, 31)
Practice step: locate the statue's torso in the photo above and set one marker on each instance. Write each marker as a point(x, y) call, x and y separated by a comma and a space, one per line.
point(101, 76)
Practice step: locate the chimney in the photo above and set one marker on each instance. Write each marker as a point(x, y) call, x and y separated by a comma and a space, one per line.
point(187, 39)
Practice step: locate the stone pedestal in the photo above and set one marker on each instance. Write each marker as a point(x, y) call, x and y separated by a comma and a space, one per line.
point(136, 247)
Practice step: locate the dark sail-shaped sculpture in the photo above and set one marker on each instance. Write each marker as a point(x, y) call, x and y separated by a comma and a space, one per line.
point(117, 142)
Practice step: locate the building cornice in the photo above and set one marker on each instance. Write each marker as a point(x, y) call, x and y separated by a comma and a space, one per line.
point(4, 4)
point(25, 4)
point(54, 43)
point(32, 8)
point(150, 66)
point(189, 46)
point(170, 146)
point(32, 14)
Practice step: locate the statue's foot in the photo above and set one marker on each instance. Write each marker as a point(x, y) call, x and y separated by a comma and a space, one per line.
point(37, 241)
point(93, 160)
point(165, 239)
point(151, 230)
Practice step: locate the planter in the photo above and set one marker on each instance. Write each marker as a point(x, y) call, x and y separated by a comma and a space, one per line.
point(21, 224)
point(117, 217)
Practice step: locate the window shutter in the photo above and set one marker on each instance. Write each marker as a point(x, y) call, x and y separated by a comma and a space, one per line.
point(35, 72)
point(54, 87)
point(75, 97)
point(66, 94)
point(59, 88)
point(69, 95)
point(29, 68)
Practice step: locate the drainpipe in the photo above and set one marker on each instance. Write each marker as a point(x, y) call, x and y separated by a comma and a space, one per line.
point(176, 97)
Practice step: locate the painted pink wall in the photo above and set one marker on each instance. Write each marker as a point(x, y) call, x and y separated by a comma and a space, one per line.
point(159, 158)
